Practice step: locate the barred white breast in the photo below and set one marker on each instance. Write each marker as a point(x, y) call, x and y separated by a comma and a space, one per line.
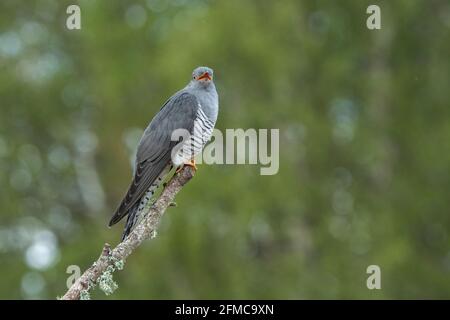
point(201, 134)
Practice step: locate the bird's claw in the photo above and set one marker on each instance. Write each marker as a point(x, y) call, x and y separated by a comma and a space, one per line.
point(189, 164)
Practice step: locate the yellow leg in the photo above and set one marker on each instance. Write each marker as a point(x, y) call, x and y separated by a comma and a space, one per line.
point(190, 164)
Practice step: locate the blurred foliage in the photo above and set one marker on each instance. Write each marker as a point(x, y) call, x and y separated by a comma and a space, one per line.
point(364, 163)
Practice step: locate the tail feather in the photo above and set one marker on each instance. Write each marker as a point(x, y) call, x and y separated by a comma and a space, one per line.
point(134, 213)
point(133, 217)
point(118, 215)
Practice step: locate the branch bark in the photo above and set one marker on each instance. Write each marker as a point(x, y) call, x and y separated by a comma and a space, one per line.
point(145, 230)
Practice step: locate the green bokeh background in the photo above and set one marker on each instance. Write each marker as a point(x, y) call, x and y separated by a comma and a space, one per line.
point(364, 123)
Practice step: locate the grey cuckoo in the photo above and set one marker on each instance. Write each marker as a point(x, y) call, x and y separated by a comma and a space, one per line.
point(192, 110)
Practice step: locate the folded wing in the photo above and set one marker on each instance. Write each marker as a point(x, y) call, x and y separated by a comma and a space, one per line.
point(155, 148)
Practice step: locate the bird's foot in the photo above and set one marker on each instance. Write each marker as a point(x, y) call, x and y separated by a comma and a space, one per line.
point(189, 164)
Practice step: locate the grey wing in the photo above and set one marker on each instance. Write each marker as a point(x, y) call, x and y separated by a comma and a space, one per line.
point(155, 147)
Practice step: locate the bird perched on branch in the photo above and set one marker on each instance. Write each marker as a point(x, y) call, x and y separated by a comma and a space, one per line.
point(177, 133)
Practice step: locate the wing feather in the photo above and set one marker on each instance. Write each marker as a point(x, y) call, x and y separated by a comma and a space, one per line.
point(155, 148)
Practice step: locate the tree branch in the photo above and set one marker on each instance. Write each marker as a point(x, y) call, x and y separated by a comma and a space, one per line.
point(110, 260)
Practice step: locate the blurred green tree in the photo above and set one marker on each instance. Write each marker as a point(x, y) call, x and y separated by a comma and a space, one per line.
point(363, 118)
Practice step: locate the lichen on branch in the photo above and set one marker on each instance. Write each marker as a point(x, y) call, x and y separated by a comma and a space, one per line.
point(101, 271)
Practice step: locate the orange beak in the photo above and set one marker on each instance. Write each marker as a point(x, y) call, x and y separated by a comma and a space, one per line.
point(204, 76)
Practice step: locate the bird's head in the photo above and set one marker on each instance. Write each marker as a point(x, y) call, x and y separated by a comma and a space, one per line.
point(202, 76)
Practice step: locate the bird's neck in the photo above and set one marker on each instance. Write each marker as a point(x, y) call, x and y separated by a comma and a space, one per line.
point(207, 97)
point(209, 102)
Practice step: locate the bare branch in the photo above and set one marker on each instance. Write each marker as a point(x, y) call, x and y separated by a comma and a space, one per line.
point(145, 230)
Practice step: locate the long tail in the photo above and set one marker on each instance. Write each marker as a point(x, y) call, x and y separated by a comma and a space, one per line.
point(132, 219)
point(135, 212)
